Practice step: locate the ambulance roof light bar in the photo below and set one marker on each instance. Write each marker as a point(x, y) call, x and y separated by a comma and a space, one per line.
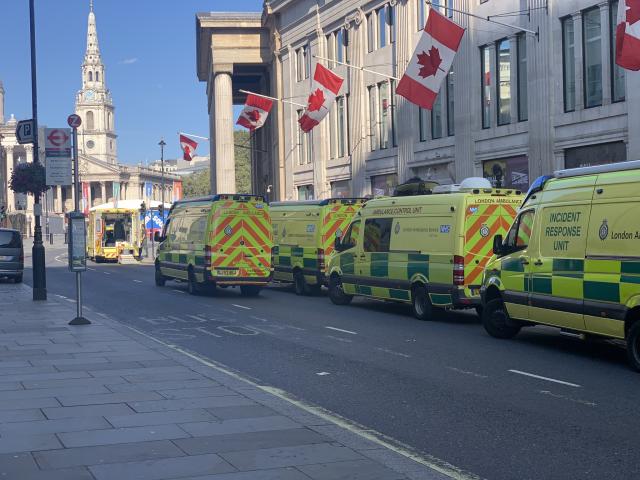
point(609, 167)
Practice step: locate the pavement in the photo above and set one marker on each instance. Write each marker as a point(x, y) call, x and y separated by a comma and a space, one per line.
point(105, 401)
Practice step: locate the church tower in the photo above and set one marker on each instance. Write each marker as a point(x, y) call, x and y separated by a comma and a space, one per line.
point(96, 136)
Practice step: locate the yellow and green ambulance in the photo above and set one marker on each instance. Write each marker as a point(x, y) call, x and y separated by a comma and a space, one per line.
point(115, 231)
point(427, 250)
point(571, 259)
point(304, 234)
point(220, 240)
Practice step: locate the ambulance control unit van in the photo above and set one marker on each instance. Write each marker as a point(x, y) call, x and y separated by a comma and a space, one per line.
point(220, 240)
point(427, 250)
point(304, 235)
point(572, 258)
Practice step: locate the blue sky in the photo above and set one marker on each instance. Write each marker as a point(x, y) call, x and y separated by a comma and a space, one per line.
point(148, 47)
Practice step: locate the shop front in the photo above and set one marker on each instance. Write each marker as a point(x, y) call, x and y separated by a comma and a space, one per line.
point(510, 172)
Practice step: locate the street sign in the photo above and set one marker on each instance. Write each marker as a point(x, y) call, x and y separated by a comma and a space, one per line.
point(57, 148)
point(74, 121)
point(25, 133)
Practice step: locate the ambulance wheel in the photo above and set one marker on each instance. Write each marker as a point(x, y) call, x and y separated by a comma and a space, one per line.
point(160, 279)
point(300, 284)
point(192, 285)
point(249, 290)
point(17, 279)
point(336, 291)
point(422, 308)
point(479, 310)
point(496, 320)
point(633, 346)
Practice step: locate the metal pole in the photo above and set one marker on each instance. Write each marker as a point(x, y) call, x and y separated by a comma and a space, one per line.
point(37, 252)
point(162, 144)
point(79, 320)
point(271, 98)
point(356, 67)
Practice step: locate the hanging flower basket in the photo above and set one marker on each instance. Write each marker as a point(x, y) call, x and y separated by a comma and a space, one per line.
point(29, 178)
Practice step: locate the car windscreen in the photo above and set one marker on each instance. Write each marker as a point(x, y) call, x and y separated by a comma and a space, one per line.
point(9, 239)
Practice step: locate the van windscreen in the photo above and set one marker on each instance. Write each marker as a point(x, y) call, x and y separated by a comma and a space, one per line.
point(9, 239)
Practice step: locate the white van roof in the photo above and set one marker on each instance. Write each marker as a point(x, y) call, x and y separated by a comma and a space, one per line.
point(609, 167)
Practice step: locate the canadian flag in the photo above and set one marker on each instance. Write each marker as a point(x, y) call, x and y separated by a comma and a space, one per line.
point(255, 112)
point(431, 60)
point(326, 86)
point(188, 147)
point(628, 35)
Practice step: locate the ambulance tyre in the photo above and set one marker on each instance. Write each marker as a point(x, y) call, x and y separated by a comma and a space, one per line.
point(421, 305)
point(249, 290)
point(192, 285)
point(496, 320)
point(633, 346)
point(336, 291)
point(300, 284)
point(160, 279)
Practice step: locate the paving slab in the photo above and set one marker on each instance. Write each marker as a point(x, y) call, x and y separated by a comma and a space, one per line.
point(239, 425)
point(350, 470)
point(121, 435)
point(160, 418)
point(28, 443)
point(242, 411)
point(184, 403)
point(88, 411)
point(271, 474)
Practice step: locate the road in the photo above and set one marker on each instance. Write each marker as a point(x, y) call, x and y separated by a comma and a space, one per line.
point(542, 406)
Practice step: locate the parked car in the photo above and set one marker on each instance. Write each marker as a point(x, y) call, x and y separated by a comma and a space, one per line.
point(11, 255)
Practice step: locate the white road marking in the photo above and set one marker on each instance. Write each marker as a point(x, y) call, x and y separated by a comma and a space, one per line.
point(339, 339)
point(107, 273)
point(467, 372)
point(241, 306)
point(176, 290)
point(60, 296)
point(393, 352)
point(70, 300)
point(292, 327)
point(341, 330)
point(198, 318)
point(540, 377)
point(259, 318)
point(138, 281)
point(374, 436)
point(92, 269)
point(322, 374)
point(102, 314)
point(564, 397)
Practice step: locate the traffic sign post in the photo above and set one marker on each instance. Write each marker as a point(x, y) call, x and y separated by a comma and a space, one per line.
point(77, 228)
point(25, 131)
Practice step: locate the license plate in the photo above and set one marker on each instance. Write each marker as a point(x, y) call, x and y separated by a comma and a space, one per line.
point(5, 258)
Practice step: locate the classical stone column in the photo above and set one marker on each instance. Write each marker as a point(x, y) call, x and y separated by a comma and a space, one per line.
point(224, 161)
point(319, 135)
point(406, 112)
point(103, 192)
point(357, 97)
point(11, 199)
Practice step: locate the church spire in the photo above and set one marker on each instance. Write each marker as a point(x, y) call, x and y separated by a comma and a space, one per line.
point(92, 67)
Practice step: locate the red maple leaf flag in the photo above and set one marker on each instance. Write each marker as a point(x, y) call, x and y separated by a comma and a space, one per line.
point(431, 60)
point(188, 147)
point(326, 86)
point(255, 112)
point(628, 35)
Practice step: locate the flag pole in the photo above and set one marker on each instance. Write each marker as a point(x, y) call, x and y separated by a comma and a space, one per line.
point(357, 67)
point(192, 135)
point(272, 98)
point(486, 19)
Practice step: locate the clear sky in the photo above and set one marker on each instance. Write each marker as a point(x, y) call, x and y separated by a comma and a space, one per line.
point(149, 51)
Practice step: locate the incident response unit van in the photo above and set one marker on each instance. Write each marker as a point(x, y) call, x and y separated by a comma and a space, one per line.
point(220, 240)
point(427, 250)
point(115, 232)
point(571, 258)
point(304, 236)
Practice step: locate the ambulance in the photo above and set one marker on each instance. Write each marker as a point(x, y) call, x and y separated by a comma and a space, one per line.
point(222, 240)
point(427, 250)
point(304, 235)
point(571, 259)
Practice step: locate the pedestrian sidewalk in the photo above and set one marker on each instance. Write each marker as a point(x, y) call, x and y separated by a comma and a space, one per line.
point(105, 402)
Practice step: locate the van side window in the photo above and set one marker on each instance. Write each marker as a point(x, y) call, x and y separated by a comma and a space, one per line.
point(377, 234)
point(520, 233)
point(351, 236)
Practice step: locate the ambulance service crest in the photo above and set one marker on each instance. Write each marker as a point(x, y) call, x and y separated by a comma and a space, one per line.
point(484, 231)
point(228, 231)
point(603, 233)
point(397, 229)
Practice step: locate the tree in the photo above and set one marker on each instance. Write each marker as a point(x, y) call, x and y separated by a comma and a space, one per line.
point(198, 184)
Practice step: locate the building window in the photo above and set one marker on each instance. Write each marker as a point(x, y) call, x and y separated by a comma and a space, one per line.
point(306, 58)
point(592, 38)
point(90, 123)
point(333, 128)
point(384, 184)
point(503, 84)
point(423, 124)
point(511, 172)
point(382, 27)
point(523, 96)
point(371, 32)
point(485, 85)
point(373, 137)
point(422, 14)
point(383, 114)
point(91, 76)
point(341, 125)
point(97, 76)
point(436, 118)
point(299, 65)
point(568, 65)
point(301, 142)
point(110, 120)
point(305, 192)
point(617, 72)
point(340, 45)
point(341, 189)
point(591, 155)
point(451, 114)
point(391, 20)
point(331, 49)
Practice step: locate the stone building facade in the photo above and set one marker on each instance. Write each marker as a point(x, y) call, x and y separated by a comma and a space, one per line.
point(519, 102)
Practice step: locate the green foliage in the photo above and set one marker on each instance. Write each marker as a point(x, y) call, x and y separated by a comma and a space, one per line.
point(29, 178)
point(198, 184)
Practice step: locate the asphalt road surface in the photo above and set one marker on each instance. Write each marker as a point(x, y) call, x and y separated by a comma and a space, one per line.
point(542, 406)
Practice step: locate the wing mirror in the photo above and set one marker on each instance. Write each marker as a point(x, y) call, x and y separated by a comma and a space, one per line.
point(498, 247)
point(157, 237)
